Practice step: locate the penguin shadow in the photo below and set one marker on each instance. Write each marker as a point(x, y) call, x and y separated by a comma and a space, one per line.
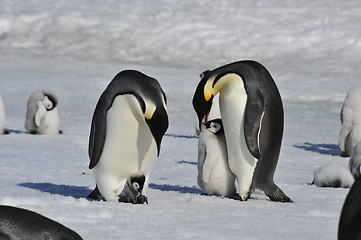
point(176, 188)
point(12, 131)
point(187, 162)
point(59, 189)
point(323, 148)
point(180, 136)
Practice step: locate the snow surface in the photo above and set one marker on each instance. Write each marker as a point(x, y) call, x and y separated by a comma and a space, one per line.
point(75, 48)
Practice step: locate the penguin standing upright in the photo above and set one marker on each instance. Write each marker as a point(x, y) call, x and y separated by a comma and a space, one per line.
point(127, 128)
point(214, 176)
point(252, 115)
point(42, 116)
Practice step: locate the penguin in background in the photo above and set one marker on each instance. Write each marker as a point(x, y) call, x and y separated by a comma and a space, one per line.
point(350, 132)
point(214, 175)
point(349, 227)
point(127, 128)
point(332, 175)
point(252, 115)
point(19, 223)
point(42, 113)
point(2, 117)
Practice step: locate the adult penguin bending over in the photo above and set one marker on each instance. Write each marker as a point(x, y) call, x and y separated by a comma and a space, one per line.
point(252, 114)
point(128, 125)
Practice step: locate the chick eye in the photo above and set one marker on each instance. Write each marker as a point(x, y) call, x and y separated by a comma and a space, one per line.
point(135, 185)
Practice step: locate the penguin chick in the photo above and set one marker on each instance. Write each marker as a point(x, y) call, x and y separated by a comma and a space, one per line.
point(42, 115)
point(333, 175)
point(214, 175)
point(355, 160)
point(133, 187)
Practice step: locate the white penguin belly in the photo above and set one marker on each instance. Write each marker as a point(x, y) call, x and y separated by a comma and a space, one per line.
point(233, 101)
point(129, 147)
point(214, 175)
point(50, 122)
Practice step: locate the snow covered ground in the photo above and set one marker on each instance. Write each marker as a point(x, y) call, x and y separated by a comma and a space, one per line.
point(76, 47)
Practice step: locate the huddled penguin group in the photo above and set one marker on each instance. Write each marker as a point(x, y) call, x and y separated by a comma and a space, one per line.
point(240, 123)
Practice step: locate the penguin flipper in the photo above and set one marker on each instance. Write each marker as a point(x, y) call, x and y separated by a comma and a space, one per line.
point(252, 122)
point(98, 130)
point(40, 112)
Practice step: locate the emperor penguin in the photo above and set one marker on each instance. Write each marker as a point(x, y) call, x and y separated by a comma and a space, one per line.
point(332, 175)
point(2, 116)
point(355, 160)
point(127, 128)
point(42, 115)
point(349, 227)
point(350, 132)
point(19, 223)
point(252, 115)
point(214, 175)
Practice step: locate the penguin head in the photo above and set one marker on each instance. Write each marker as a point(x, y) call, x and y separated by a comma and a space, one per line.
point(136, 181)
point(156, 117)
point(215, 126)
point(49, 101)
point(201, 105)
point(210, 84)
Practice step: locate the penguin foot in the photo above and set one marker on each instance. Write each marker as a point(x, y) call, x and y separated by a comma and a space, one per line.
point(95, 195)
point(239, 198)
point(139, 200)
point(279, 196)
point(142, 199)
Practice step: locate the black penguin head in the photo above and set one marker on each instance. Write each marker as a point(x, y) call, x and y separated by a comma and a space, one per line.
point(201, 105)
point(215, 126)
point(53, 101)
point(137, 181)
point(158, 125)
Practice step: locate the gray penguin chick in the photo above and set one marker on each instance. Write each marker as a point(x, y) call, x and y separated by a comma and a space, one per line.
point(133, 187)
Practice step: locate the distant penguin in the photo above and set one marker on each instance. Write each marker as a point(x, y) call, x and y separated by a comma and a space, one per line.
point(332, 175)
point(42, 115)
point(349, 227)
point(214, 175)
point(252, 115)
point(2, 116)
point(128, 125)
point(17, 223)
point(350, 132)
point(355, 160)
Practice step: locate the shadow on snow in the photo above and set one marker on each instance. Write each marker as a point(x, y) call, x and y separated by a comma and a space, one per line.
point(176, 188)
point(324, 148)
point(82, 192)
point(60, 189)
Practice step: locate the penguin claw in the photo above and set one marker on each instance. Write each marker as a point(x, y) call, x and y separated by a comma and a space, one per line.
point(142, 199)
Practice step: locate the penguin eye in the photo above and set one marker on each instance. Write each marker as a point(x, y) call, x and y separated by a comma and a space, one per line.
point(135, 185)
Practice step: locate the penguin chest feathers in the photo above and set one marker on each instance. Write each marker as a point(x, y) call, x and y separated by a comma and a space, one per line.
point(129, 141)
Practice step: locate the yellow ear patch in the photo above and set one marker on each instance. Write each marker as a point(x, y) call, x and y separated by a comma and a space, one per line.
point(149, 109)
point(208, 89)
